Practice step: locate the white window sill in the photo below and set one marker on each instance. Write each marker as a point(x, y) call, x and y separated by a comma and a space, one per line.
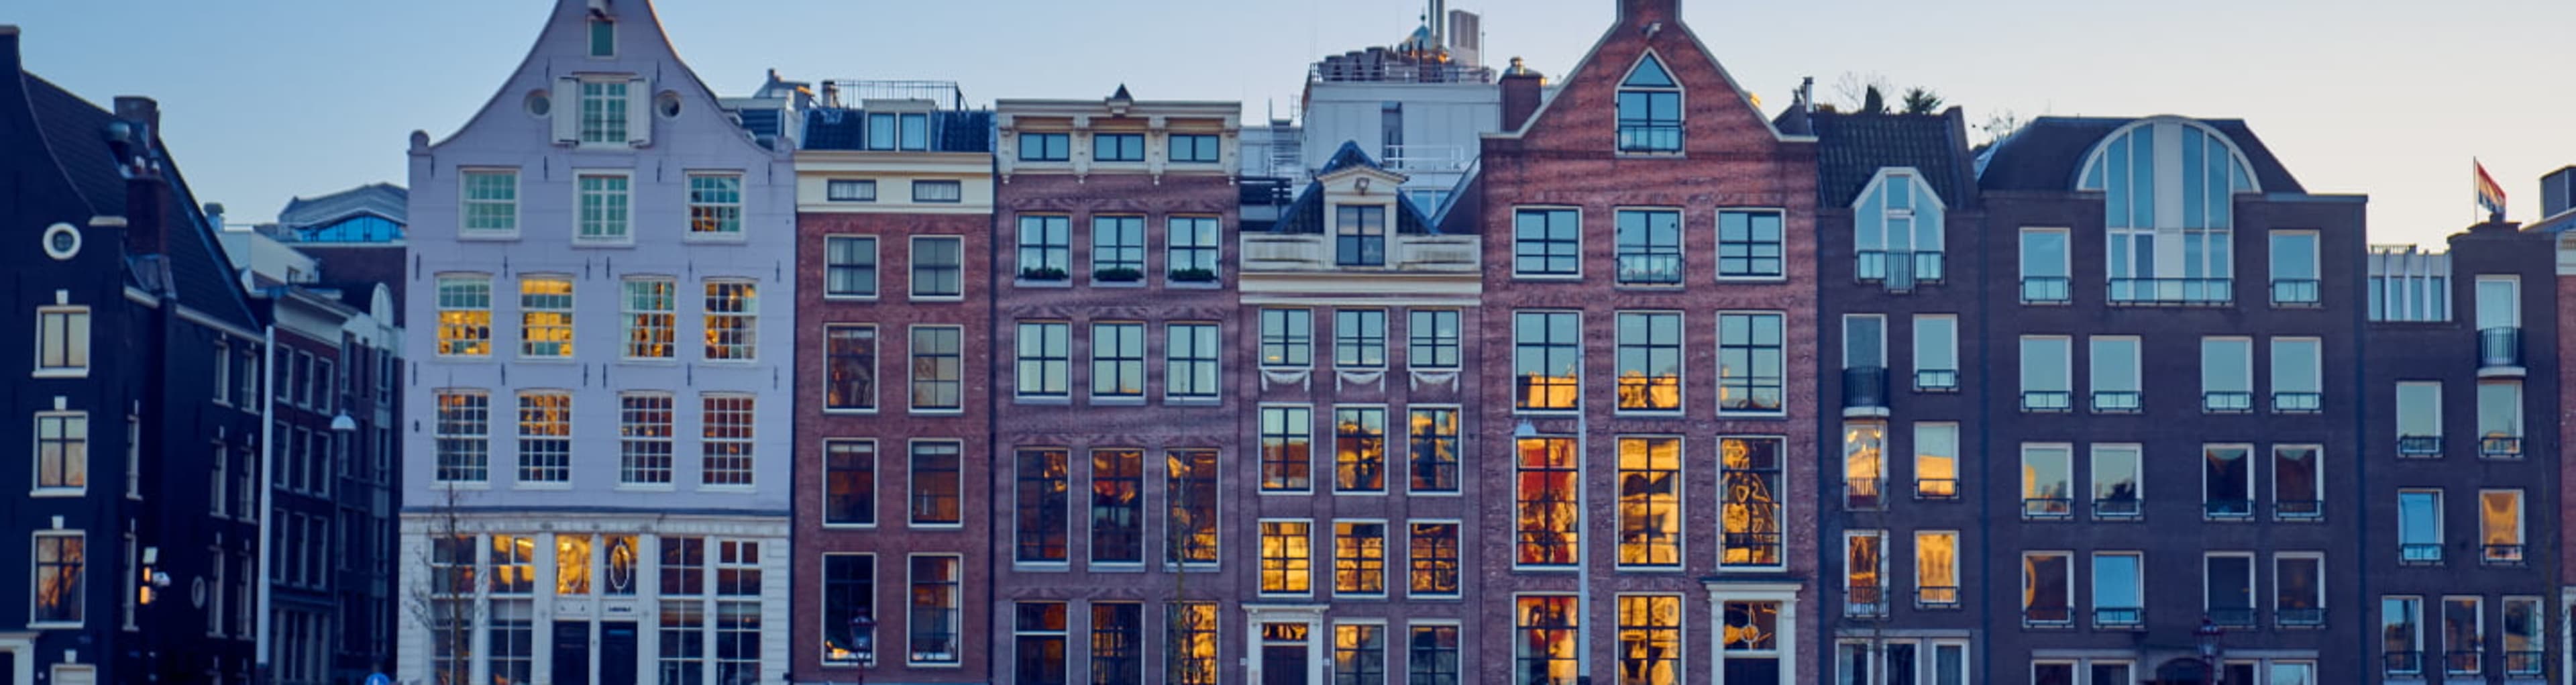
point(461, 485)
point(1309, 492)
point(1042, 566)
point(646, 487)
point(849, 526)
point(849, 411)
point(541, 486)
point(79, 372)
point(1517, 276)
point(58, 492)
point(1218, 284)
point(1097, 283)
point(1117, 400)
point(1784, 278)
point(1359, 493)
point(1194, 401)
point(729, 489)
point(656, 361)
point(580, 244)
point(734, 238)
point(953, 411)
point(491, 237)
point(937, 298)
point(934, 526)
point(849, 298)
point(1043, 400)
point(1055, 283)
point(1723, 414)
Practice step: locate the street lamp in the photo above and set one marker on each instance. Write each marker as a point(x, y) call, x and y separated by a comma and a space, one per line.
point(863, 641)
point(2208, 635)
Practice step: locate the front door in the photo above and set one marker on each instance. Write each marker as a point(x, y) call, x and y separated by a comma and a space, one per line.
point(1283, 653)
point(572, 653)
point(617, 653)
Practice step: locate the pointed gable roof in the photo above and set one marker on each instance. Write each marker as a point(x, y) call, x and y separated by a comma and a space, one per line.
point(1306, 213)
point(1653, 29)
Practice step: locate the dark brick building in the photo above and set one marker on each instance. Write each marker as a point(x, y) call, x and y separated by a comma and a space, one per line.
point(1649, 265)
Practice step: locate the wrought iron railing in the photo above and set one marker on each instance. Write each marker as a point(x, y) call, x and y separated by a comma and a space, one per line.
point(2050, 401)
point(2122, 508)
point(2047, 508)
point(1936, 489)
point(1865, 387)
point(1865, 494)
point(2232, 617)
point(2044, 290)
point(2419, 445)
point(1936, 380)
point(2119, 617)
point(1936, 597)
point(2198, 292)
point(2419, 554)
point(2294, 292)
point(2298, 402)
point(2298, 510)
point(2500, 447)
point(2499, 347)
point(2227, 402)
point(2227, 509)
point(2299, 617)
point(2115, 402)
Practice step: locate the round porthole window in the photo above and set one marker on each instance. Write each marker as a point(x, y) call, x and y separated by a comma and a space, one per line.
point(62, 241)
point(539, 104)
point(668, 103)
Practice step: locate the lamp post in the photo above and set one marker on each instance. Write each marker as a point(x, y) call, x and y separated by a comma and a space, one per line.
point(863, 642)
point(2209, 634)
point(1583, 548)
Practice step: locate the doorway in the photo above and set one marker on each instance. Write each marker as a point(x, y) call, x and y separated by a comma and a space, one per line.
point(617, 653)
point(572, 653)
point(1284, 648)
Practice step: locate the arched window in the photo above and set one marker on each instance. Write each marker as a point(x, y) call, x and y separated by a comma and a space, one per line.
point(1650, 109)
point(1896, 229)
point(2168, 186)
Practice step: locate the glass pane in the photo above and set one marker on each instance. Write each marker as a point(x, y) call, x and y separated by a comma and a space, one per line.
point(2294, 255)
point(1936, 343)
point(1864, 341)
point(2043, 364)
point(2419, 518)
point(2115, 581)
point(2498, 304)
point(2115, 365)
point(2419, 410)
point(2294, 365)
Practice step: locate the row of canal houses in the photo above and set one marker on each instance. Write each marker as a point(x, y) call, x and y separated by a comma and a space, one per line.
point(1468, 375)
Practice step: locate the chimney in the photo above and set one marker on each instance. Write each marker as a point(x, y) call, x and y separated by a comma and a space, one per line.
point(1521, 94)
point(215, 216)
point(147, 193)
point(1643, 11)
point(9, 63)
point(2558, 191)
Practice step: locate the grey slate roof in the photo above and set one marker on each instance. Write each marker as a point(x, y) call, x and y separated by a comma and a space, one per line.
point(846, 129)
point(1851, 148)
point(2045, 154)
point(381, 199)
point(1306, 214)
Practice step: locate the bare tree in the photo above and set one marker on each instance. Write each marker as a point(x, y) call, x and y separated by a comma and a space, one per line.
point(443, 601)
point(1186, 545)
point(1858, 92)
point(1999, 125)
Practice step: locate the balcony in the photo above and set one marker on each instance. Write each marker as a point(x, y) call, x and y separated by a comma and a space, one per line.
point(2419, 554)
point(2300, 617)
point(1865, 391)
point(1936, 380)
point(1936, 489)
point(2115, 402)
point(1936, 597)
point(2298, 510)
point(1864, 494)
point(1899, 270)
point(2500, 352)
point(2181, 292)
point(2232, 617)
point(1292, 253)
point(2521, 664)
point(2428, 446)
point(1650, 269)
point(2500, 555)
point(2047, 617)
point(2226, 402)
point(2044, 290)
point(2402, 663)
point(2298, 402)
point(2117, 509)
point(2505, 447)
point(2227, 509)
point(2463, 662)
point(2046, 401)
point(1865, 601)
point(2294, 292)
point(2119, 618)
point(2047, 508)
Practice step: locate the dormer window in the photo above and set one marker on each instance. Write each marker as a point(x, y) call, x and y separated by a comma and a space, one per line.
point(2168, 191)
point(899, 131)
point(603, 37)
point(1897, 231)
point(604, 106)
point(1359, 235)
point(1650, 109)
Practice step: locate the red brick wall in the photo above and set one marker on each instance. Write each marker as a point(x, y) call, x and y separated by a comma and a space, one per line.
point(2566, 428)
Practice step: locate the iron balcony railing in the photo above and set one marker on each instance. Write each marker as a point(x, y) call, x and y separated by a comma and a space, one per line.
point(2122, 508)
point(2500, 447)
point(2044, 290)
point(2047, 617)
point(2297, 402)
point(2524, 663)
point(2115, 402)
point(1865, 387)
point(2046, 401)
point(1936, 489)
point(1864, 494)
point(2047, 508)
point(2194, 292)
point(2299, 617)
point(1936, 597)
point(2298, 510)
point(2501, 555)
point(1865, 601)
point(2232, 617)
point(1647, 268)
point(2419, 554)
point(1646, 136)
point(1899, 269)
point(1936, 380)
point(2402, 663)
point(2294, 292)
point(1929, 266)
point(2500, 347)
point(2227, 509)
point(1750, 549)
point(2463, 662)
point(2119, 617)
point(2419, 445)
point(2226, 402)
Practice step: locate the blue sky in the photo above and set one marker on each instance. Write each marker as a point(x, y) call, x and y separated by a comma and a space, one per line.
point(269, 99)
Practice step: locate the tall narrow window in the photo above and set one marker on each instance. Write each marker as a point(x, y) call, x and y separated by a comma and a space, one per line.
point(1359, 338)
point(2298, 375)
point(62, 341)
point(937, 490)
point(1038, 633)
point(1936, 569)
point(2500, 529)
point(850, 266)
point(2116, 475)
point(2500, 419)
point(1547, 359)
point(1864, 465)
point(1650, 247)
point(464, 316)
point(545, 437)
point(938, 368)
point(2226, 375)
point(850, 361)
point(2047, 482)
point(604, 217)
point(1190, 653)
point(2294, 268)
point(1359, 654)
point(2169, 188)
point(1431, 656)
point(1359, 449)
point(1287, 337)
point(1749, 244)
point(1650, 361)
point(733, 316)
point(715, 204)
point(1045, 363)
point(2419, 418)
point(1936, 461)
point(2046, 382)
point(61, 567)
point(464, 436)
point(1749, 513)
point(2227, 482)
point(2227, 581)
point(2044, 268)
point(1650, 110)
point(1117, 643)
point(1117, 248)
point(1287, 557)
point(1434, 450)
point(938, 267)
point(1118, 360)
point(491, 201)
point(1190, 363)
point(1549, 522)
point(1936, 352)
point(2115, 374)
point(1650, 506)
point(1543, 644)
point(727, 440)
point(1117, 506)
point(1046, 251)
point(2524, 624)
point(2464, 635)
point(2299, 590)
point(1193, 245)
point(2119, 590)
point(1359, 235)
point(1433, 553)
point(1750, 363)
point(850, 482)
point(62, 452)
point(2401, 636)
point(936, 600)
point(644, 438)
point(2419, 526)
point(650, 306)
point(603, 109)
point(1359, 559)
point(1865, 573)
point(1287, 449)
point(2298, 488)
point(1432, 338)
point(1650, 639)
point(1547, 242)
point(1044, 508)
point(1190, 492)
point(2047, 592)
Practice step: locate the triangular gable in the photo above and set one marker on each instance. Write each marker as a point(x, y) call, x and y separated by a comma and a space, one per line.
point(1626, 26)
point(1649, 73)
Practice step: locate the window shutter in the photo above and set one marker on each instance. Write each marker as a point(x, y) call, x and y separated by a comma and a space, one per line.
point(566, 111)
point(639, 112)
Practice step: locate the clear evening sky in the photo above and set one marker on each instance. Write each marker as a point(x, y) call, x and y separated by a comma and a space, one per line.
point(268, 99)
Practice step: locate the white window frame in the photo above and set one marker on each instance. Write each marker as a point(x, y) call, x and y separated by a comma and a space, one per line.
point(1020, 385)
point(956, 609)
point(2135, 362)
point(2137, 476)
point(833, 187)
point(466, 202)
point(1212, 356)
point(79, 337)
point(749, 316)
point(1947, 351)
point(1717, 245)
point(2065, 371)
point(2027, 578)
point(876, 267)
point(79, 600)
point(623, 111)
point(572, 291)
point(1458, 543)
point(2065, 266)
point(627, 314)
point(624, 230)
point(2322, 594)
point(689, 194)
point(1386, 557)
point(912, 270)
point(1681, 360)
point(438, 300)
point(2253, 571)
point(36, 462)
point(1259, 561)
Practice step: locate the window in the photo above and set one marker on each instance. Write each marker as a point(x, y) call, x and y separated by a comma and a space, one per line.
point(850, 190)
point(683, 635)
point(2169, 224)
point(2294, 268)
point(1287, 562)
point(1547, 359)
point(1118, 360)
point(464, 316)
point(1432, 339)
point(938, 371)
point(2401, 638)
point(1189, 489)
point(936, 488)
point(937, 267)
point(2500, 419)
point(2119, 590)
point(2500, 528)
point(1750, 365)
point(1434, 450)
point(1193, 148)
point(1936, 353)
point(1547, 242)
point(1117, 248)
point(491, 201)
point(645, 436)
point(545, 437)
point(733, 314)
point(545, 317)
point(2409, 285)
point(1650, 515)
point(2298, 488)
point(2227, 482)
point(1117, 643)
point(935, 615)
point(1117, 147)
point(2116, 476)
point(1543, 645)
point(850, 367)
point(715, 204)
point(1751, 646)
point(1117, 506)
point(650, 308)
point(603, 38)
point(2115, 377)
point(1045, 504)
point(2419, 526)
point(1046, 250)
point(1650, 638)
point(1193, 245)
point(850, 482)
point(1359, 235)
point(2499, 302)
point(2046, 376)
point(1045, 358)
point(572, 564)
point(1864, 465)
point(1359, 559)
point(2299, 590)
point(1897, 232)
point(899, 131)
point(1287, 337)
point(1432, 658)
point(1650, 247)
point(1548, 518)
point(62, 453)
point(1865, 573)
point(943, 192)
point(61, 566)
point(2047, 594)
point(2047, 487)
point(1359, 654)
point(1936, 569)
point(1287, 439)
point(849, 591)
point(1936, 461)
point(604, 210)
point(2228, 583)
point(1650, 110)
point(1650, 361)
point(725, 449)
point(1190, 364)
point(2524, 622)
point(1359, 338)
point(2419, 418)
point(1434, 556)
point(2463, 635)
point(1359, 449)
point(2044, 267)
point(1190, 655)
point(1748, 244)
point(1045, 147)
point(1749, 513)
point(850, 266)
point(603, 111)
point(464, 436)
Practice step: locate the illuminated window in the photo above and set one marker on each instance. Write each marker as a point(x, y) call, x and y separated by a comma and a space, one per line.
point(1191, 654)
point(1650, 639)
point(733, 314)
point(850, 367)
point(1359, 559)
point(514, 565)
point(1865, 573)
point(936, 599)
point(1548, 518)
point(2297, 486)
point(1038, 634)
point(1434, 450)
point(545, 316)
point(1190, 488)
point(1650, 361)
point(644, 437)
point(1117, 506)
point(2500, 528)
point(650, 308)
point(2047, 588)
point(1749, 502)
point(604, 214)
point(1359, 442)
point(1864, 465)
point(1045, 500)
point(61, 561)
point(465, 316)
point(1118, 360)
point(1650, 512)
point(726, 444)
point(1434, 556)
point(715, 204)
point(849, 591)
point(1547, 360)
point(1936, 569)
point(936, 488)
point(1544, 651)
point(850, 482)
point(1750, 366)
point(1359, 654)
point(464, 436)
point(1936, 460)
point(572, 564)
point(545, 437)
point(62, 452)
point(1287, 449)
point(1287, 557)
point(1117, 643)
